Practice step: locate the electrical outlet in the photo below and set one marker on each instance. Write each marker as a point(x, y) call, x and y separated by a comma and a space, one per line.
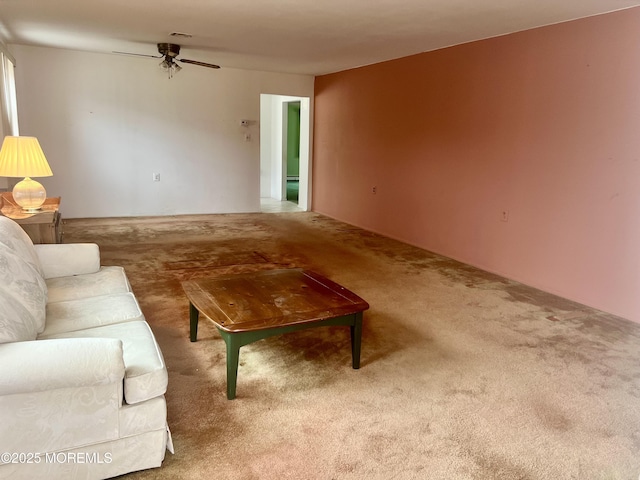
point(504, 215)
point(374, 190)
point(156, 177)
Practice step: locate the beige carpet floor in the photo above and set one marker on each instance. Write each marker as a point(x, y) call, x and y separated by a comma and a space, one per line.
point(464, 375)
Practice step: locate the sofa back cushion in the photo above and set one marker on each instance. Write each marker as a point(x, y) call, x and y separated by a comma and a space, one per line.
point(13, 237)
point(23, 298)
point(23, 291)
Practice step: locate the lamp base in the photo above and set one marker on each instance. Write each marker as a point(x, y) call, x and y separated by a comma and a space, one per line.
point(30, 195)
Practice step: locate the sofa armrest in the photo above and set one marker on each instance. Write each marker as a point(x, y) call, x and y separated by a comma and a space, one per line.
point(41, 365)
point(63, 260)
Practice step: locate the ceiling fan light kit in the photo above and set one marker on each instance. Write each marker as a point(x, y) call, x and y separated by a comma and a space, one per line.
point(169, 53)
point(171, 67)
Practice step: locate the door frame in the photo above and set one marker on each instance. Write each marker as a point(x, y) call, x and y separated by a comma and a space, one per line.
point(273, 168)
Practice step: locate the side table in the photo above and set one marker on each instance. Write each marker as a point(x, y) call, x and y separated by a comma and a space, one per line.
point(43, 226)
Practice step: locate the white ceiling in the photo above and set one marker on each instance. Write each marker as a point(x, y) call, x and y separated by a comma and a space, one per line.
point(296, 36)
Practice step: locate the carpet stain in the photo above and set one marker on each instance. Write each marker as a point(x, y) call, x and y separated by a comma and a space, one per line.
point(211, 260)
point(552, 417)
point(494, 466)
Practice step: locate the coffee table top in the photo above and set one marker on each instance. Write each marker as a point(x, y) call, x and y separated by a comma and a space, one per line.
point(270, 298)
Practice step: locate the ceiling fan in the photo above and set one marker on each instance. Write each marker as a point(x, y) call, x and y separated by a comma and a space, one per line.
point(169, 53)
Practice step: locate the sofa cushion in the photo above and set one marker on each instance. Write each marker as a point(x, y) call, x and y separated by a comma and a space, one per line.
point(16, 322)
point(106, 281)
point(91, 312)
point(23, 297)
point(13, 237)
point(67, 259)
point(145, 372)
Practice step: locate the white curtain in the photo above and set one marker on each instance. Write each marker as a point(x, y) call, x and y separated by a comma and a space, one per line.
point(8, 104)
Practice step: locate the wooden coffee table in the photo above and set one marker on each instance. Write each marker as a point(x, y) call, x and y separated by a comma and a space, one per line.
point(248, 307)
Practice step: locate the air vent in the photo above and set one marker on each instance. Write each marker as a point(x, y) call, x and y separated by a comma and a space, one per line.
point(180, 34)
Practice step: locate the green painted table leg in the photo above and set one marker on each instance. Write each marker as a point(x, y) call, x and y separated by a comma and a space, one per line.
point(356, 339)
point(233, 355)
point(193, 322)
point(236, 340)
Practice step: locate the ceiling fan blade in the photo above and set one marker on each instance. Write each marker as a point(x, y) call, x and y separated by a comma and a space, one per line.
point(137, 54)
point(195, 62)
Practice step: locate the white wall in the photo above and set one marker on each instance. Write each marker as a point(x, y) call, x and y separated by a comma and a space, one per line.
point(108, 122)
point(271, 137)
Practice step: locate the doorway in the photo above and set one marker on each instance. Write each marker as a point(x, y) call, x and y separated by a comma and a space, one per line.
point(291, 143)
point(285, 152)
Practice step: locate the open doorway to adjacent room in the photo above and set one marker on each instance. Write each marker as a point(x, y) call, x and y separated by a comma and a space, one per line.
point(291, 146)
point(284, 153)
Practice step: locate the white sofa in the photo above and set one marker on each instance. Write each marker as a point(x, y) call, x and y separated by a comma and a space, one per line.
point(82, 379)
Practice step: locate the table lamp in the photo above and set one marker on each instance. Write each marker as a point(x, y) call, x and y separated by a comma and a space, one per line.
point(23, 157)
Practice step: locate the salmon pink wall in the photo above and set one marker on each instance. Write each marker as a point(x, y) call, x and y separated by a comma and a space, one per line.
point(542, 124)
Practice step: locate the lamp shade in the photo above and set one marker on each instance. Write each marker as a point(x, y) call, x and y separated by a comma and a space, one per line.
point(23, 157)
